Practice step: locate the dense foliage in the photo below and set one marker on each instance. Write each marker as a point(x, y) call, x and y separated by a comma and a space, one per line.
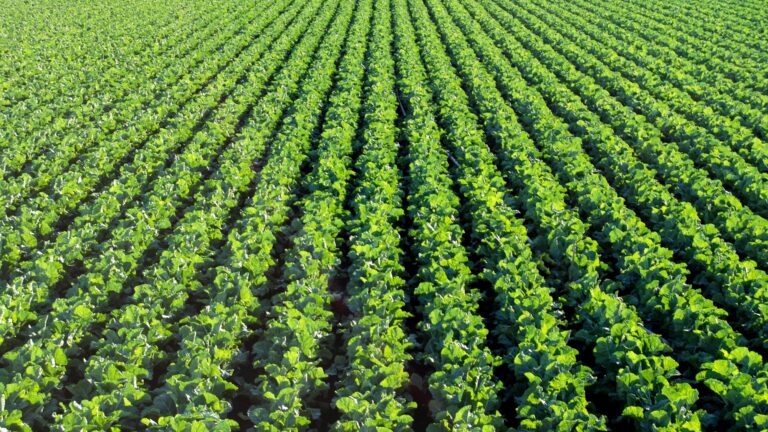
point(392, 215)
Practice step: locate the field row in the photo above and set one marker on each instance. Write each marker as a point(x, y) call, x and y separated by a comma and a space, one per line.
point(384, 215)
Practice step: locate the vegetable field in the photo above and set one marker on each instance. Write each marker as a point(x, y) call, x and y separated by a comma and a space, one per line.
point(390, 215)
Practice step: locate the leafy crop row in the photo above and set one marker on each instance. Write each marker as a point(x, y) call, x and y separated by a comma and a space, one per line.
point(391, 215)
point(603, 316)
point(526, 323)
point(369, 396)
point(63, 185)
point(730, 98)
point(103, 281)
point(463, 384)
point(161, 298)
point(745, 180)
point(734, 282)
point(659, 283)
point(46, 97)
point(735, 54)
point(31, 282)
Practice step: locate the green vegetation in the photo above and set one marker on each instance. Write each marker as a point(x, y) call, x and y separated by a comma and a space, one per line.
point(359, 215)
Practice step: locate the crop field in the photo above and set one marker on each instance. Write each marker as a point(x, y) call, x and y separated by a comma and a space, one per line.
point(390, 215)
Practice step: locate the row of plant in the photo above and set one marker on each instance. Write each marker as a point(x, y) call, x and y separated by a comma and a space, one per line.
point(730, 98)
point(218, 331)
point(669, 80)
point(34, 50)
point(369, 395)
point(744, 179)
point(113, 266)
point(738, 45)
point(463, 388)
point(645, 381)
point(549, 392)
point(698, 334)
point(728, 31)
point(713, 202)
point(712, 13)
point(160, 275)
point(69, 185)
point(270, 209)
point(189, 249)
point(42, 164)
point(58, 107)
point(719, 159)
point(171, 283)
point(35, 56)
point(730, 281)
point(125, 201)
